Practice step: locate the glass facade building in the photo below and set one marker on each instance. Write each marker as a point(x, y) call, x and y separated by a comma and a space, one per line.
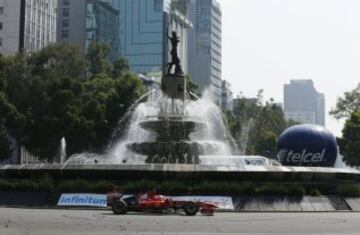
point(226, 96)
point(143, 28)
point(205, 46)
point(27, 25)
point(302, 103)
point(83, 21)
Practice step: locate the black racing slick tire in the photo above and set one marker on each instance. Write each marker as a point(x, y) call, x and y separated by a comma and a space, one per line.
point(191, 208)
point(119, 208)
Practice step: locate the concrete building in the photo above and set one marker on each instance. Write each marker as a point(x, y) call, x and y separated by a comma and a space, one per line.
point(205, 46)
point(143, 29)
point(27, 25)
point(302, 103)
point(226, 96)
point(83, 21)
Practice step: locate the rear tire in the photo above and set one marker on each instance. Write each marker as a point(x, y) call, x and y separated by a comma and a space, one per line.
point(119, 207)
point(191, 208)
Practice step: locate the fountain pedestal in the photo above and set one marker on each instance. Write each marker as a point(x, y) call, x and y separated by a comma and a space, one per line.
point(174, 86)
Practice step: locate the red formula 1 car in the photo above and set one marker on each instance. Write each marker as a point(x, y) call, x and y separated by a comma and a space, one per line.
point(151, 201)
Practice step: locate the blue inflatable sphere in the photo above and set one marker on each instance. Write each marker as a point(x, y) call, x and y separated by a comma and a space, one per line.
point(307, 145)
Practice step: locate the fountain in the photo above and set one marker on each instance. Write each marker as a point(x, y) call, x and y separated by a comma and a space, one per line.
point(170, 136)
point(62, 150)
point(168, 128)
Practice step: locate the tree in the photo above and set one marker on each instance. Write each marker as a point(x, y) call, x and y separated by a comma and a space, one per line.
point(97, 55)
point(58, 61)
point(348, 104)
point(256, 124)
point(191, 86)
point(8, 117)
point(266, 145)
point(269, 119)
point(51, 100)
point(350, 142)
point(120, 67)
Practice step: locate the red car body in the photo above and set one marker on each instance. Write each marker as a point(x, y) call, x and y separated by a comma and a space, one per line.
point(152, 201)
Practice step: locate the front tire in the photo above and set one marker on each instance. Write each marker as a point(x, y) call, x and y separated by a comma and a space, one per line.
point(119, 207)
point(191, 208)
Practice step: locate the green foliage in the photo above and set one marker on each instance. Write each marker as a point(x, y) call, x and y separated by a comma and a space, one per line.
point(314, 192)
point(6, 186)
point(84, 186)
point(257, 124)
point(191, 86)
point(350, 142)
point(348, 104)
point(265, 145)
point(5, 150)
point(348, 190)
point(45, 184)
point(233, 123)
point(8, 115)
point(281, 190)
point(97, 56)
point(59, 60)
point(44, 96)
point(120, 67)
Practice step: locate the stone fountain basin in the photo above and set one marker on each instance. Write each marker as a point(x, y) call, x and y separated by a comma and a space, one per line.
point(173, 129)
point(172, 148)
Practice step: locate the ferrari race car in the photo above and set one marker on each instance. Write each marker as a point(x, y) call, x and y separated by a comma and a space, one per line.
point(151, 201)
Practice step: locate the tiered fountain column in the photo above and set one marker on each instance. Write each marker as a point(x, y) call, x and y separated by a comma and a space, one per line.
point(172, 144)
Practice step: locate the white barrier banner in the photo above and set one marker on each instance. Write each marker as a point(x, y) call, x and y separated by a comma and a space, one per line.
point(82, 199)
point(220, 202)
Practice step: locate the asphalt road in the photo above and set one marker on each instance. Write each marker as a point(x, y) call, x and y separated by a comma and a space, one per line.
point(49, 221)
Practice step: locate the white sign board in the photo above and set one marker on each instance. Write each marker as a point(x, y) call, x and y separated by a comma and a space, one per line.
point(82, 199)
point(221, 202)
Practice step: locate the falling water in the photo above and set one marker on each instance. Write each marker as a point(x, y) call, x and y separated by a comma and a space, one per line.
point(215, 137)
point(62, 150)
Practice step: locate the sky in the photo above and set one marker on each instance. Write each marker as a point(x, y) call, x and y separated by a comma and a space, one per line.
point(266, 43)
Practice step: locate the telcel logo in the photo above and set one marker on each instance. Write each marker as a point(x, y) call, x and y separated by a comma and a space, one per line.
point(299, 158)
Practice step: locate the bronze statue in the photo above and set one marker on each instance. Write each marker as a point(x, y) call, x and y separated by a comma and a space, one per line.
point(175, 61)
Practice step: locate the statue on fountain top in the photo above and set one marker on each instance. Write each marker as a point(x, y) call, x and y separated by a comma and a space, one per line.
point(175, 60)
point(174, 84)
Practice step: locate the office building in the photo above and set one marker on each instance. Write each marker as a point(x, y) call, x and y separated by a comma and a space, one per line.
point(302, 103)
point(144, 26)
point(27, 25)
point(226, 96)
point(83, 21)
point(205, 46)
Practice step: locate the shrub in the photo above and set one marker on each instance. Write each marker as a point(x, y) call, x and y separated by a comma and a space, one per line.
point(72, 186)
point(295, 191)
point(45, 184)
point(6, 186)
point(271, 189)
point(349, 190)
point(25, 185)
point(314, 192)
point(102, 187)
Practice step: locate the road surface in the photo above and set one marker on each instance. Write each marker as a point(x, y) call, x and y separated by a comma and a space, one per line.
point(59, 221)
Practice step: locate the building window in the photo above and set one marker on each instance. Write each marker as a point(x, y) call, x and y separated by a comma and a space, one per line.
point(1, 10)
point(1, 25)
point(66, 2)
point(65, 23)
point(158, 5)
point(0, 41)
point(66, 12)
point(65, 34)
